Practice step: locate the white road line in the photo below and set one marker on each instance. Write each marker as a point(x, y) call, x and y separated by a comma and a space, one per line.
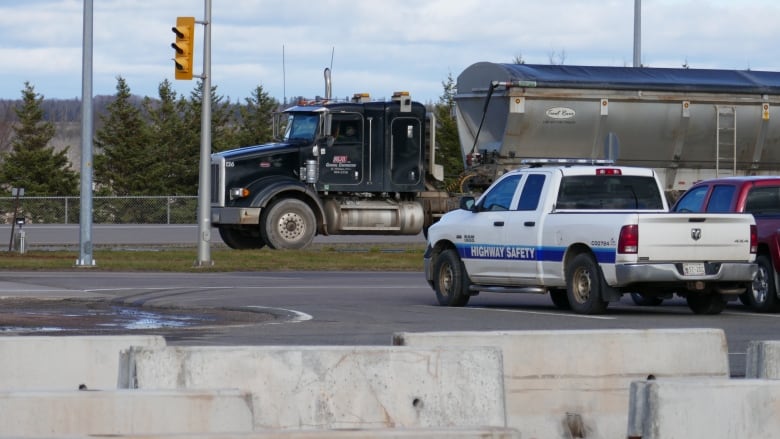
point(543, 313)
point(297, 315)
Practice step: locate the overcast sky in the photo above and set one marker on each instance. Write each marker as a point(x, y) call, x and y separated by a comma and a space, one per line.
point(377, 46)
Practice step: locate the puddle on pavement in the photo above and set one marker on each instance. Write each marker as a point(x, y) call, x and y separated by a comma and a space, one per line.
point(64, 316)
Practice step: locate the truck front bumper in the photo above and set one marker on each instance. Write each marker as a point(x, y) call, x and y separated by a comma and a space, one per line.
point(628, 274)
point(235, 215)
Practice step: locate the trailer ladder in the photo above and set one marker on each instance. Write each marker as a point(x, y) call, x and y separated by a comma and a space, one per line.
point(726, 141)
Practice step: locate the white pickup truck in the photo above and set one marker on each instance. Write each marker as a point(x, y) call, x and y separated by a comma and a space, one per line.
point(587, 234)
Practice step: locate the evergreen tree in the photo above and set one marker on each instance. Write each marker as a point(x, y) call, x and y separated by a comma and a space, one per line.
point(124, 154)
point(449, 151)
point(256, 126)
point(32, 164)
point(175, 141)
point(223, 127)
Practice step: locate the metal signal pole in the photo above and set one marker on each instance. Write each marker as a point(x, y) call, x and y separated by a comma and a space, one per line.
point(204, 181)
point(85, 221)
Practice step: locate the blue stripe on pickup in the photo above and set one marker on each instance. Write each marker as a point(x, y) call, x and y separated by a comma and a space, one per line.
point(604, 255)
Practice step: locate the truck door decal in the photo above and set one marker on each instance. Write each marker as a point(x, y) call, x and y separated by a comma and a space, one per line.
point(342, 163)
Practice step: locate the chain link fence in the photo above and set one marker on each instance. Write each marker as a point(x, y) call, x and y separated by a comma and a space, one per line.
point(105, 210)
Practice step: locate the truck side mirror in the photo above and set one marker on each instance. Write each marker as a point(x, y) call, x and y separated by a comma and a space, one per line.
point(467, 203)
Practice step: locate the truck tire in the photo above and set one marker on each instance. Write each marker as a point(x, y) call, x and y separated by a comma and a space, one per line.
point(761, 294)
point(584, 284)
point(560, 299)
point(288, 224)
point(645, 300)
point(238, 239)
point(450, 281)
point(706, 303)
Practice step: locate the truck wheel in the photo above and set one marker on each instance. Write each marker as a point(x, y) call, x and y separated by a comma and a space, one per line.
point(238, 239)
point(288, 224)
point(645, 300)
point(449, 280)
point(706, 303)
point(560, 299)
point(761, 294)
point(584, 284)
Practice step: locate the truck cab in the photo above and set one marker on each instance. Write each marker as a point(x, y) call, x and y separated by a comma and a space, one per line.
point(352, 167)
point(759, 196)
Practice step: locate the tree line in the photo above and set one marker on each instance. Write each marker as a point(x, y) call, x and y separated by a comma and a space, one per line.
point(150, 146)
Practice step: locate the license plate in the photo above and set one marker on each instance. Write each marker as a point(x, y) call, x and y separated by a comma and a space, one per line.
point(694, 269)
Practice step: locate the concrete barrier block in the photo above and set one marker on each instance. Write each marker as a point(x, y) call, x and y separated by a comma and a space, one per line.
point(394, 433)
point(763, 360)
point(31, 414)
point(321, 387)
point(562, 384)
point(65, 362)
point(704, 408)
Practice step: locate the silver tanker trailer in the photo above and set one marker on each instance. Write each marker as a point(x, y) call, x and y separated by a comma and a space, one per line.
point(688, 124)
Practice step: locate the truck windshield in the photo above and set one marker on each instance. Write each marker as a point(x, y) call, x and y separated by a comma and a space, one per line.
point(301, 127)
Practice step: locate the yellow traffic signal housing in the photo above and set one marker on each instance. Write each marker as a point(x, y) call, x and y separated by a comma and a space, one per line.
point(184, 46)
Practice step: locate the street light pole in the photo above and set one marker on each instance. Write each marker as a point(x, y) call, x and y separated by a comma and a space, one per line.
point(204, 181)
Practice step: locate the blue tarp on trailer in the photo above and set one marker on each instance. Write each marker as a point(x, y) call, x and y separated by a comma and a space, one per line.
point(478, 77)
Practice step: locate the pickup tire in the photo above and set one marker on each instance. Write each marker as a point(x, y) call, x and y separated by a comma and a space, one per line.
point(288, 224)
point(584, 283)
point(706, 303)
point(560, 299)
point(450, 281)
point(761, 294)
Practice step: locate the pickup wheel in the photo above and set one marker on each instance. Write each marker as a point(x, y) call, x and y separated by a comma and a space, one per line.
point(584, 284)
point(288, 224)
point(645, 300)
point(449, 279)
point(560, 299)
point(706, 303)
point(761, 294)
point(239, 239)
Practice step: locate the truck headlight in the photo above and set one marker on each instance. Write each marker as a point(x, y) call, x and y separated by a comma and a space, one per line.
point(238, 192)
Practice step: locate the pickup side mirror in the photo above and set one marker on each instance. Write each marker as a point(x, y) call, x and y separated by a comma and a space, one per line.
point(467, 203)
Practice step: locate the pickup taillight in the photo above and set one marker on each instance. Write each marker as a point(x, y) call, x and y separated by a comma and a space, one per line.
point(628, 242)
point(753, 239)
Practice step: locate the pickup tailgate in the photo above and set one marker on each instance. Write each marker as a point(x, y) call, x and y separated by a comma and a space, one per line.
point(703, 237)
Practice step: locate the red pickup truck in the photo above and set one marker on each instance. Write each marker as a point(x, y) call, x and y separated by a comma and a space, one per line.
point(759, 195)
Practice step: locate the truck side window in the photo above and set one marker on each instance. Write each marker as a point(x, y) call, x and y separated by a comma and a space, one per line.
point(692, 201)
point(499, 197)
point(720, 200)
point(532, 192)
point(763, 200)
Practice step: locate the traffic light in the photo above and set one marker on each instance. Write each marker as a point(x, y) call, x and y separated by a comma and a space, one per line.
point(184, 46)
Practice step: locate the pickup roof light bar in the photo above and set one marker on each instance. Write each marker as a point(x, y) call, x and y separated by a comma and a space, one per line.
point(553, 161)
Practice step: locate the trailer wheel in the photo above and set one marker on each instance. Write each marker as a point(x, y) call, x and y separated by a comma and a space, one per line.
point(706, 303)
point(450, 281)
point(239, 239)
point(560, 299)
point(288, 224)
point(584, 284)
point(761, 294)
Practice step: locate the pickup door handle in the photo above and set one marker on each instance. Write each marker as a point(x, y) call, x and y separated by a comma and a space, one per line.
point(529, 223)
point(498, 223)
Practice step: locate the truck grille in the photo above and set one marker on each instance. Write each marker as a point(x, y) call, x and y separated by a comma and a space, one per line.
point(218, 182)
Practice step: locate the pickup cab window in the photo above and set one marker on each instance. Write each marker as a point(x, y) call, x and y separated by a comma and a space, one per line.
point(609, 193)
point(763, 200)
point(499, 197)
point(692, 201)
point(720, 200)
point(532, 192)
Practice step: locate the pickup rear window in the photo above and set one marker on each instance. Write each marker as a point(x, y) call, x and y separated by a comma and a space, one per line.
point(609, 192)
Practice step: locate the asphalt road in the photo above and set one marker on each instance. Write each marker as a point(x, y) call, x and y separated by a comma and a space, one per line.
point(357, 308)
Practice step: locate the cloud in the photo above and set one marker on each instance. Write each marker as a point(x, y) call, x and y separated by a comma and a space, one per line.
point(403, 45)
